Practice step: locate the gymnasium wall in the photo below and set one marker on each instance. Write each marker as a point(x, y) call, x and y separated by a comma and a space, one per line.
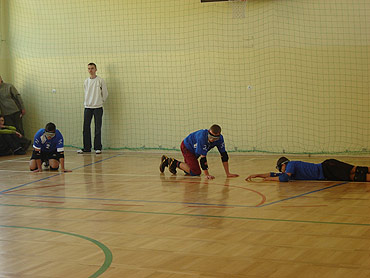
point(277, 75)
point(4, 52)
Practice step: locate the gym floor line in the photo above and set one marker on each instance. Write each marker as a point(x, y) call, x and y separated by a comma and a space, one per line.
point(107, 252)
point(57, 174)
point(8, 193)
point(191, 215)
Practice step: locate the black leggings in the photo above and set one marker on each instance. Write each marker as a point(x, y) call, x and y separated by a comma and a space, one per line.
point(335, 170)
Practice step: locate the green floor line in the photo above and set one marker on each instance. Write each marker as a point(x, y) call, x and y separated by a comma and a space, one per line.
point(196, 215)
point(105, 249)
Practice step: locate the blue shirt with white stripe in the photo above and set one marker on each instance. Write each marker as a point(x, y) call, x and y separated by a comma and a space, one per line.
point(197, 142)
point(48, 145)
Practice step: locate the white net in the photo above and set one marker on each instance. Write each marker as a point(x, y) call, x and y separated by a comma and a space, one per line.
point(277, 76)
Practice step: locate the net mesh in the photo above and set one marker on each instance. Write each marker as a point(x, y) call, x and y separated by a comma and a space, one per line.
point(289, 76)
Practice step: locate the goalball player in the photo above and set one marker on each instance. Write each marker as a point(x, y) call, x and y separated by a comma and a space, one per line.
point(195, 145)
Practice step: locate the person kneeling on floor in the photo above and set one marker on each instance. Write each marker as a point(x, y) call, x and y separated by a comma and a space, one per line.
point(48, 148)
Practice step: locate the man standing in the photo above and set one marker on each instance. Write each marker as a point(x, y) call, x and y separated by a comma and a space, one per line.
point(11, 106)
point(95, 95)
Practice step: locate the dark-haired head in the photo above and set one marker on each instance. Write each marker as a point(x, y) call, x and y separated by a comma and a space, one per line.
point(281, 161)
point(50, 127)
point(92, 64)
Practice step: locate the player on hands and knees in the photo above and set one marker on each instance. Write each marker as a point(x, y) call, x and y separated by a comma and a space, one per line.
point(48, 147)
point(195, 145)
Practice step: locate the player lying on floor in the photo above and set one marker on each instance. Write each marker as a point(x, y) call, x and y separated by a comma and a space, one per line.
point(330, 169)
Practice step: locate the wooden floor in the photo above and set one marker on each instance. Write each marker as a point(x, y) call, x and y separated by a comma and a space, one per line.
point(115, 215)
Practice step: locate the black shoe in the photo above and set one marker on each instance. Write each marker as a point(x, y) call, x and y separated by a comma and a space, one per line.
point(172, 165)
point(164, 163)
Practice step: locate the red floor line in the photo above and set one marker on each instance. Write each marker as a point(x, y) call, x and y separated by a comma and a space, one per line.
point(122, 205)
point(209, 207)
point(259, 193)
point(263, 197)
point(47, 201)
point(39, 187)
point(308, 206)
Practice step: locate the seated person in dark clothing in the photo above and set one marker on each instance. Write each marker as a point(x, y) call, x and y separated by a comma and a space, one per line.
point(11, 141)
point(330, 170)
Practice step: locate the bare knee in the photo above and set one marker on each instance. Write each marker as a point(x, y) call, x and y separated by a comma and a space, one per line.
point(54, 164)
point(33, 165)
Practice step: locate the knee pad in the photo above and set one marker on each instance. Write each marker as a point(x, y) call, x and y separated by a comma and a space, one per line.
point(224, 157)
point(360, 174)
point(60, 155)
point(53, 169)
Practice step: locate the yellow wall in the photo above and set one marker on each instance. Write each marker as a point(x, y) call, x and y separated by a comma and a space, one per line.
point(175, 66)
point(4, 51)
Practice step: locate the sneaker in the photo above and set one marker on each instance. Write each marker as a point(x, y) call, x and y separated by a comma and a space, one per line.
point(172, 165)
point(164, 163)
point(83, 151)
point(98, 151)
point(46, 163)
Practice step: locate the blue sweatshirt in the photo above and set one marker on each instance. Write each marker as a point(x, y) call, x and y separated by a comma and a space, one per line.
point(300, 170)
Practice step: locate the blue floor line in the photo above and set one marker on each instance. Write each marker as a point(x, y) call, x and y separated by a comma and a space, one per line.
point(304, 194)
point(32, 182)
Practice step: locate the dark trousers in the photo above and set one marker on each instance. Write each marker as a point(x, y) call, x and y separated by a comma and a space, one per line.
point(4, 147)
point(11, 143)
point(15, 119)
point(98, 120)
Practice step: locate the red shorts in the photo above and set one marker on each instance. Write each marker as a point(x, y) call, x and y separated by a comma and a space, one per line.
point(191, 160)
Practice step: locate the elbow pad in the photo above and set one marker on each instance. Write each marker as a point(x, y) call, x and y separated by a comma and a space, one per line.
point(284, 177)
point(224, 157)
point(36, 154)
point(203, 163)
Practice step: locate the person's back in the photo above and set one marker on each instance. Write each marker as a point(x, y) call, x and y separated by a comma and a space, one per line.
point(301, 170)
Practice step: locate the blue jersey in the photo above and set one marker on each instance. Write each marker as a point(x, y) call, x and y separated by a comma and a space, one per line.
point(304, 170)
point(197, 142)
point(54, 144)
